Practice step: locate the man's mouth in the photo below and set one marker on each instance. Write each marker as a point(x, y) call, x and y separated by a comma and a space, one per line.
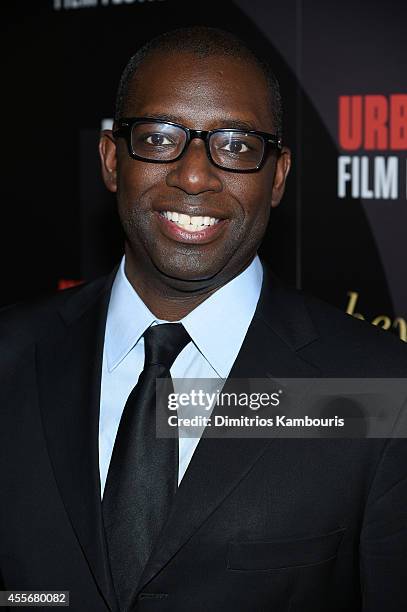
point(189, 223)
point(190, 229)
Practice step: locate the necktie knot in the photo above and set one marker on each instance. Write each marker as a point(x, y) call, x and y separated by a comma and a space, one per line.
point(163, 343)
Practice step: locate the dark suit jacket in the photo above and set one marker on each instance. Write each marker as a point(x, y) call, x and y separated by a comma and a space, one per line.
point(258, 525)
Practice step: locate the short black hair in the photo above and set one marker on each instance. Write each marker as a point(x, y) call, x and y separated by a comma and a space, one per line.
point(203, 41)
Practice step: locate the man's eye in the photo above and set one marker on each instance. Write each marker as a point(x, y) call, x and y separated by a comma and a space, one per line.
point(236, 146)
point(158, 140)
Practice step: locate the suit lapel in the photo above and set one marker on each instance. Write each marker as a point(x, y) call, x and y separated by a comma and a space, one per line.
point(280, 328)
point(69, 373)
point(69, 377)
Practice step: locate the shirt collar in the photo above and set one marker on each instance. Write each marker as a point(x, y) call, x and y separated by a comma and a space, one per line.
point(127, 319)
point(217, 326)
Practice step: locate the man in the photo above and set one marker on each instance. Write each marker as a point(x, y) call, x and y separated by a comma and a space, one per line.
point(255, 524)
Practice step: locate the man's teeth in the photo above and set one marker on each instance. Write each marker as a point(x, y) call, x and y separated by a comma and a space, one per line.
point(191, 224)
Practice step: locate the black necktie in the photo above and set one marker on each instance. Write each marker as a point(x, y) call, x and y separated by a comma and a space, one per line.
point(143, 471)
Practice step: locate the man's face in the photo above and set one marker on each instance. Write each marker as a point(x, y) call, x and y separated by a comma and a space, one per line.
point(199, 93)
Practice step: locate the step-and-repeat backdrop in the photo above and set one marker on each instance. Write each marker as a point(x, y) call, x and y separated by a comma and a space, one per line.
point(340, 231)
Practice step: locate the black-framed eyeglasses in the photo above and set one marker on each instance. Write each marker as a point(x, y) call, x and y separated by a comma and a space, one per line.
point(154, 140)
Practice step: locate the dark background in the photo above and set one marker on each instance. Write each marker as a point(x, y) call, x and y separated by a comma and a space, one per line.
point(60, 71)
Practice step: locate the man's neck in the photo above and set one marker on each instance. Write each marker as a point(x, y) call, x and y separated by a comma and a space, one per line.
point(170, 301)
point(165, 302)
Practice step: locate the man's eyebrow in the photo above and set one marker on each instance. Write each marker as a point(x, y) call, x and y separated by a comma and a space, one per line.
point(238, 124)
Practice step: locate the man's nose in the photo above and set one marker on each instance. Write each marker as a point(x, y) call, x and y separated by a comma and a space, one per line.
point(193, 172)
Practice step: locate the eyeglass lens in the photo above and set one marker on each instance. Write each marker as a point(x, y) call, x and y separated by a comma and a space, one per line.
point(165, 142)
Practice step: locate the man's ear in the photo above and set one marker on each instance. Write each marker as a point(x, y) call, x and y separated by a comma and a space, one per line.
point(108, 157)
point(282, 169)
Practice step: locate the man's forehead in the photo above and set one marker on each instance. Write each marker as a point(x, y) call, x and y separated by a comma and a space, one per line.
point(209, 89)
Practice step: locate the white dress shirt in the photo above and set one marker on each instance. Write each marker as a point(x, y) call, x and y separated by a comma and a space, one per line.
point(217, 328)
